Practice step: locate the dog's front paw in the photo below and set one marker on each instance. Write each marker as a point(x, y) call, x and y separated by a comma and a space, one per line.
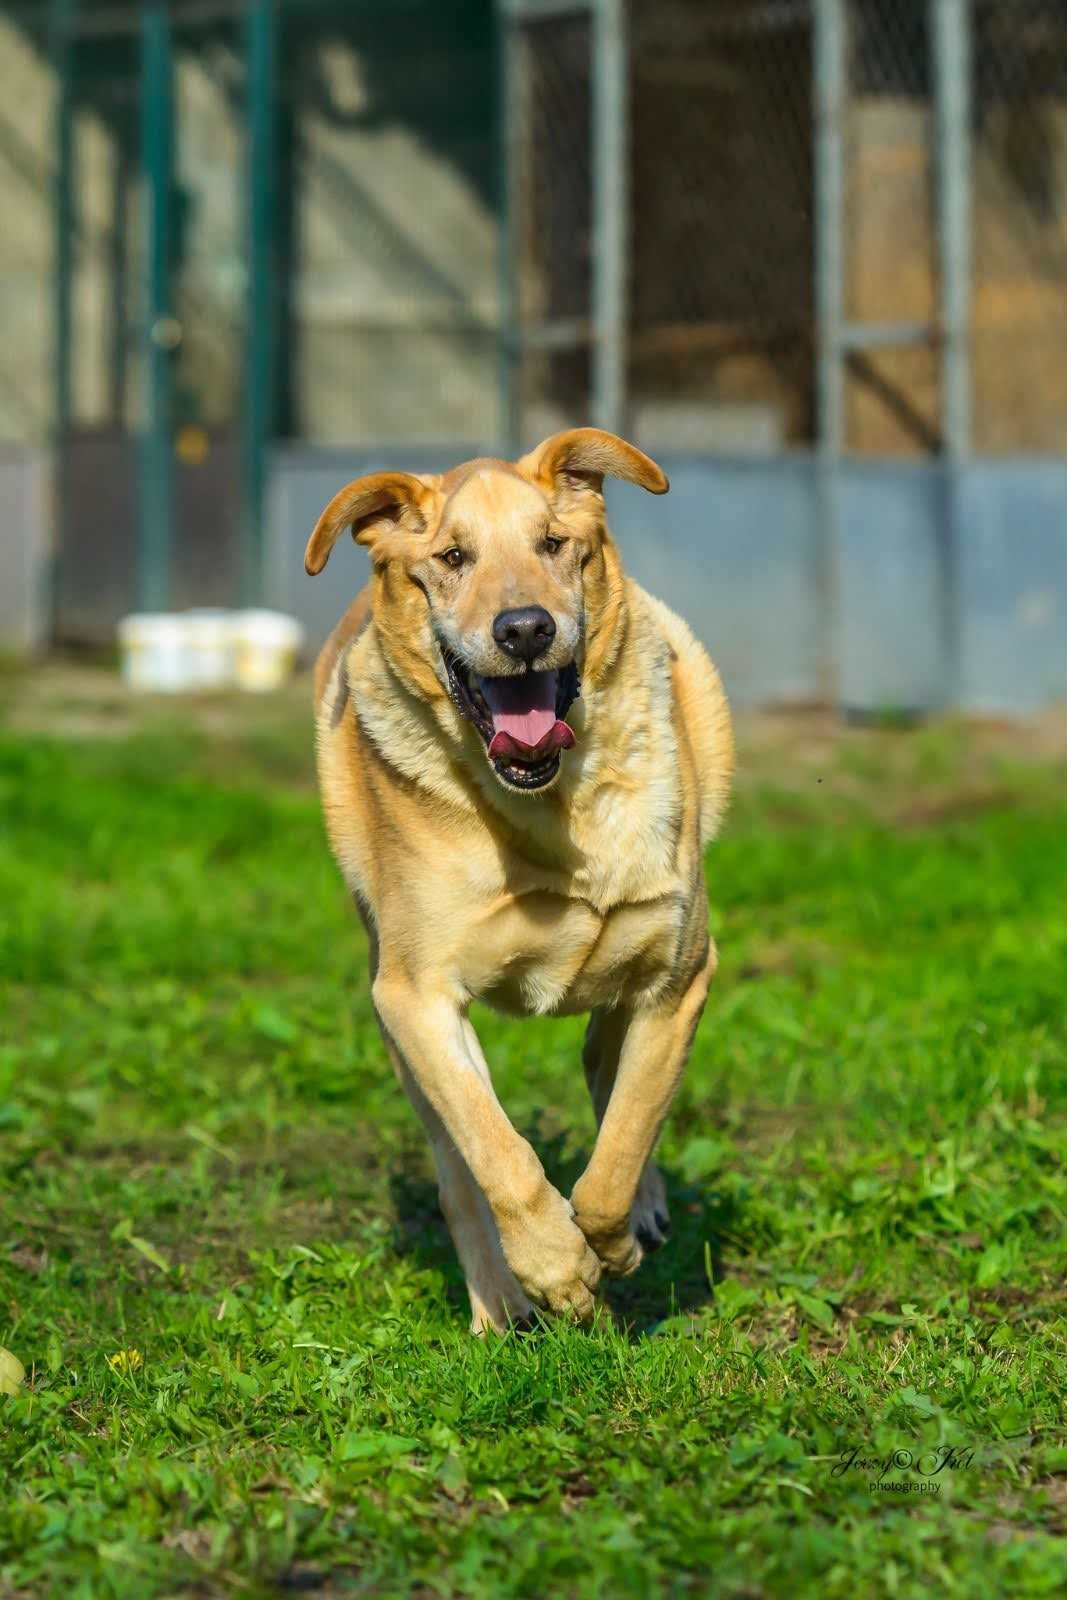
point(611, 1237)
point(618, 1251)
point(551, 1258)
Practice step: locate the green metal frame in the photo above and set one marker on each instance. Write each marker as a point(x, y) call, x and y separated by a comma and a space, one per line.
point(511, 115)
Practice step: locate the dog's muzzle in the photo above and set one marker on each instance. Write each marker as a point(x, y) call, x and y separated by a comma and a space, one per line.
point(521, 718)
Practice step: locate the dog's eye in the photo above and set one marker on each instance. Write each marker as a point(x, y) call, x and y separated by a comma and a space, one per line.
point(452, 558)
point(552, 544)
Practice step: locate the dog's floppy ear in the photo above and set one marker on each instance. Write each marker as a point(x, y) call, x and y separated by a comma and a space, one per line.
point(581, 457)
point(373, 507)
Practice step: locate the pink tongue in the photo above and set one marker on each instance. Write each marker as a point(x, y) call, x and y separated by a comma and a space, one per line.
point(524, 716)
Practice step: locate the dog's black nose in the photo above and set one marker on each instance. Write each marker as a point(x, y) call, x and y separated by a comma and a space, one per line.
point(524, 633)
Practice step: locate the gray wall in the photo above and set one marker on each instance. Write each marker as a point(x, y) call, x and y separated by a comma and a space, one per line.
point(1013, 584)
point(912, 623)
point(24, 520)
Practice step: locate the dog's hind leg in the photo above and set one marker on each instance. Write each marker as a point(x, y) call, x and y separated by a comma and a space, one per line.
point(651, 1221)
point(496, 1296)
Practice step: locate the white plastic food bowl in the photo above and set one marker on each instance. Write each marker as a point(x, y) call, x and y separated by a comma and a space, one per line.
point(208, 649)
point(266, 646)
point(155, 653)
point(210, 642)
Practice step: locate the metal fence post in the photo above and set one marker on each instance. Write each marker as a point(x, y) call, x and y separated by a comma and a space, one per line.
point(951, 26)
point(611, 211)
point(155, 507)
point(829, 89)
point(950, 29)
point(260, 408)
point(62, 23)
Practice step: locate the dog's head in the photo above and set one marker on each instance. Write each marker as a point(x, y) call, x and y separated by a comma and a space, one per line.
point(498, 585)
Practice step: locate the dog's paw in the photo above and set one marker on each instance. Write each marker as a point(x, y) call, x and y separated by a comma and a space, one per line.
point(618, 1251)
point(611, 1237)
point(621, 1243)
point(650, 1218)
point(551, 1259)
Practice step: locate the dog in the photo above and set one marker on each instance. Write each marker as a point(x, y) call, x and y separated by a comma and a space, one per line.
point(522, 756)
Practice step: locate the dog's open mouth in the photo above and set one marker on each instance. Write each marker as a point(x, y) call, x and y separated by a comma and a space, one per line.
point(520, 718)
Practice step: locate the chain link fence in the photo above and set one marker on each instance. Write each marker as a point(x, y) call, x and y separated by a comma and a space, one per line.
point(391, 221)
point(145, 251)
point(718, 278)
point(1019, 328)
point(551, 179)
point(384, 234)
point(890, 240)
point(391, 273)
point(722, 247)
point(721, 288)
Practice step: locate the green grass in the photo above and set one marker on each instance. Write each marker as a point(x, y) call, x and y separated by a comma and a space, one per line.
point(204, 1160)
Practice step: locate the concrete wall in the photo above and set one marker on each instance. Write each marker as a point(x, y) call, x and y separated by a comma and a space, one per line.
point(735, 549)
point(395, 293)
point(396, 290)
point(24, 548)
point(26, 120)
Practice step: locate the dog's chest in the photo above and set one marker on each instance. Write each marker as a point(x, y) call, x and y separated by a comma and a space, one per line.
point(606, 923)
point(606, 930)
point(549, 952)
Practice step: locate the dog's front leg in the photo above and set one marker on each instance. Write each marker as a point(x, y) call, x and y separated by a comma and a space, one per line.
point(544, 1249)
point(653, 1053)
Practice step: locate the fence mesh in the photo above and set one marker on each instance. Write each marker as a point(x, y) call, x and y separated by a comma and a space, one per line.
point(553, 210)
point(721, 287)
point(392, 268)
point(891, 269)
point(719, 271)
point(388, 229)
point(721, 334)
point(385, 229)
point(1019, 329)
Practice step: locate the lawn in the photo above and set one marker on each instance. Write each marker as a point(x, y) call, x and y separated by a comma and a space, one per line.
point(223, 1268)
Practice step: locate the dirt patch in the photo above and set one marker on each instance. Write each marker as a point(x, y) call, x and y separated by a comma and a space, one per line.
point(932, 772)
point(266, 734)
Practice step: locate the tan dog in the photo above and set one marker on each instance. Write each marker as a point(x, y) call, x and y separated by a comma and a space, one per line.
point(509, 842)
